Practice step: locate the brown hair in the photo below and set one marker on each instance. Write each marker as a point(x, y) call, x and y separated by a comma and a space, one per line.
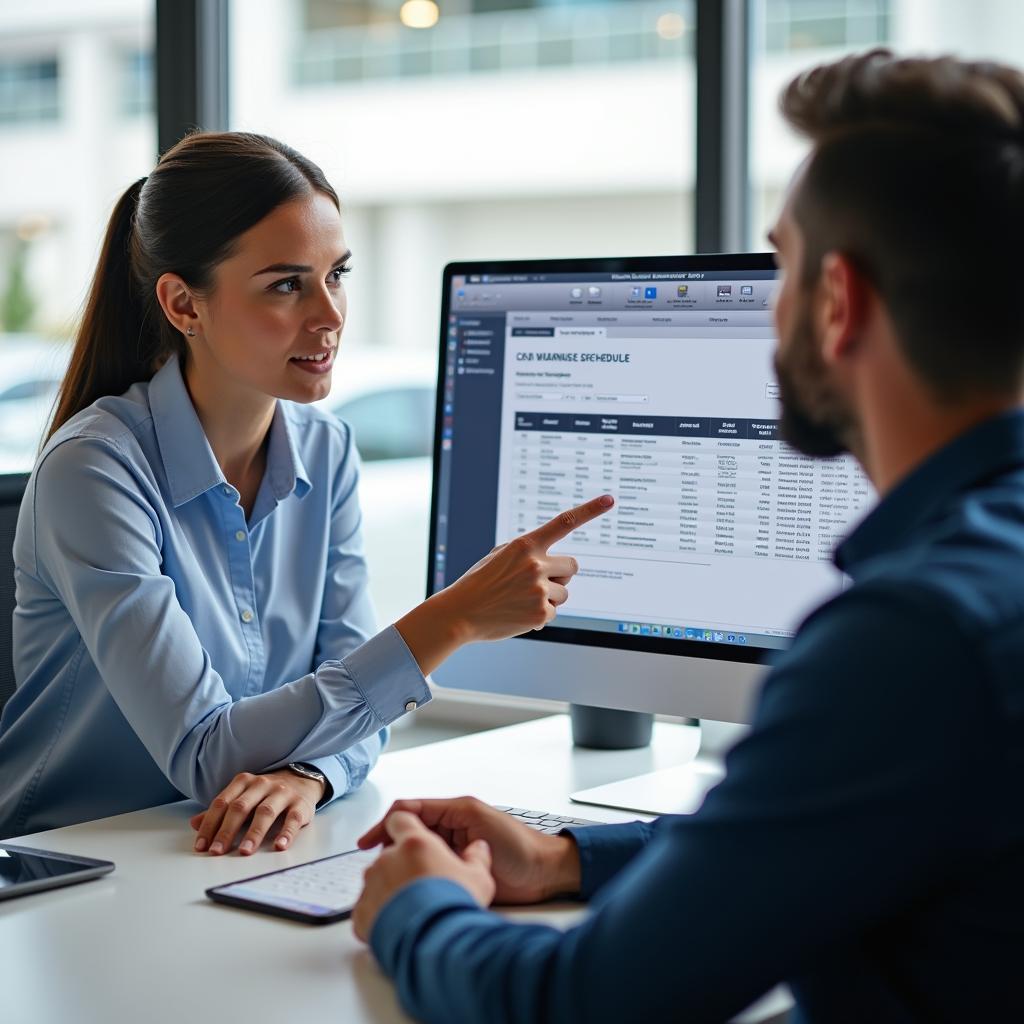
point(183, 219)
point(917, 175)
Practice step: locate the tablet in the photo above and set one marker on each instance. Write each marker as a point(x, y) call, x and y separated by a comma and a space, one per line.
point(317, 892)
point(24, 870)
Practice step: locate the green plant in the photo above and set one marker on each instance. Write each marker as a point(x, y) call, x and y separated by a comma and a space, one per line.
point(17, 306)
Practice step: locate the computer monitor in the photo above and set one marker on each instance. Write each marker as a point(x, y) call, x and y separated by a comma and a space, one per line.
point(651, 379)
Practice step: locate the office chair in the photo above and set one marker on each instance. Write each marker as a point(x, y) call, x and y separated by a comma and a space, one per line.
point(12, 487)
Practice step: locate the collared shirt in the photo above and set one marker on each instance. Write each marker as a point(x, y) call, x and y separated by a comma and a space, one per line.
point(867, 843)
point(163, 642)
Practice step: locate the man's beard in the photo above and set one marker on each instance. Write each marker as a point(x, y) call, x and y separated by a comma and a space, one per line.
point(813, 419)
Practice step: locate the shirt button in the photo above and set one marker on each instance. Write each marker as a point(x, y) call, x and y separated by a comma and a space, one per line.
point(240, 535)
point(227, 490)
point(247, 615)
point(410, 706)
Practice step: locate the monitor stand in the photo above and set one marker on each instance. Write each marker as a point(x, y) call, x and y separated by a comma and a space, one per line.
point(677, 790)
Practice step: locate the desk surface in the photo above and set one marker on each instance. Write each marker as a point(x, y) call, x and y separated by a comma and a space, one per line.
point(145, 943)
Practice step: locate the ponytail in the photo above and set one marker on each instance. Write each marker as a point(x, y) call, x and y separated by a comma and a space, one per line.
point(184, 219)
point(113, 349)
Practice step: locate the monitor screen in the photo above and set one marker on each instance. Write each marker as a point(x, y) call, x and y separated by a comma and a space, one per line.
point(651, 380)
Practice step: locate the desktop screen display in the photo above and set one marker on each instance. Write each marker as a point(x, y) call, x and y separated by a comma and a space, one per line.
point(653, 381)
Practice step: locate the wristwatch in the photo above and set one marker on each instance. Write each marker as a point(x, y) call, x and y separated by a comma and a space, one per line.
point(307, 771)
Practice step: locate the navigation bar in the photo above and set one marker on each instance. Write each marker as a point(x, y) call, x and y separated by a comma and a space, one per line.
point(650, 426)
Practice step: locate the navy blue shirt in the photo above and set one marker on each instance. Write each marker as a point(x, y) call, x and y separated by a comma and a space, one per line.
point(867, 843)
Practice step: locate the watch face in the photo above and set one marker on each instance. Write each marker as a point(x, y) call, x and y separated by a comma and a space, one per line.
point(309, 773)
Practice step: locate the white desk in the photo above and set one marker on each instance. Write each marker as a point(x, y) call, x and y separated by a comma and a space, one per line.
point(144, 943)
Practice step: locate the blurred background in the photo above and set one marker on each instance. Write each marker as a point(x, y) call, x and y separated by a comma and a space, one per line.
point(453, 129)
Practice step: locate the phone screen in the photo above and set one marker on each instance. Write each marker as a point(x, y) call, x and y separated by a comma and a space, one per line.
point(322, 888)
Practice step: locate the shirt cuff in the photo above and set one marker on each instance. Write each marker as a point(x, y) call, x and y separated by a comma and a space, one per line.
point(403, 917)
point(388, 676)
point(605, 850)
point(336, 774)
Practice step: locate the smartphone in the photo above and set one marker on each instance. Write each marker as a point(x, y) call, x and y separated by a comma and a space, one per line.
point(317, 892)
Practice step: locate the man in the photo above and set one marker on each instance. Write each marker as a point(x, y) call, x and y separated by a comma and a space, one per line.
point(867, 844)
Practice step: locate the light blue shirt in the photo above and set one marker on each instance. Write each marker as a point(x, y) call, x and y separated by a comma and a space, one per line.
point(162, 642)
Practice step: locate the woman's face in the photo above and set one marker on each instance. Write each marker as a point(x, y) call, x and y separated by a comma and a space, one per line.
point(272, 322)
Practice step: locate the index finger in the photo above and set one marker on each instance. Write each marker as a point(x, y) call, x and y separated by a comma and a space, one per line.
point(378, 833)
point(400, 824)
point(439, 815)
point(572, 519)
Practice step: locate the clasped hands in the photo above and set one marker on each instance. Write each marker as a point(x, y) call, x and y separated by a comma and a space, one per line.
point(495, 858)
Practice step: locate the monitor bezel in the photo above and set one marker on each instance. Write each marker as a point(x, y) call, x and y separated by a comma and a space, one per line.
point(688, 263)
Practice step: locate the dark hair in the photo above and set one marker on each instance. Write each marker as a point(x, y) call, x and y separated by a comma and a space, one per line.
point(917, 175)
point(184, 219)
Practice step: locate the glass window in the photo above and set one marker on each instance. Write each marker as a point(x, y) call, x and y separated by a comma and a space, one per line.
point(136, 90)
point(67, 152)
point(29, 90)
point(823, 24)
point(29, 389)
point(792, 35)
point(394, 424)
point(352, 42)
point(509, 129)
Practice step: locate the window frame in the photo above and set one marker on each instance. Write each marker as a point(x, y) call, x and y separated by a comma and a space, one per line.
point(192, 54)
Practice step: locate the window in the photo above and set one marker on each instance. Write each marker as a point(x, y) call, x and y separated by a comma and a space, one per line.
point(136, 89)
point(507, 130)
point(67, 152)
point(29, 90)
point(30, 389)
point(362, 41)
point(790, 36)
point(817, 24)
point(793, 35)
point(397, 423)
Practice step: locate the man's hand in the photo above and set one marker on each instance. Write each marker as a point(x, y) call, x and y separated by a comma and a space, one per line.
point(416, 852)
point(259, 800)
point(527, 866)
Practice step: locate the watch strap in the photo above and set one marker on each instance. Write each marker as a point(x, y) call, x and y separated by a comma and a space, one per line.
point(309, 771)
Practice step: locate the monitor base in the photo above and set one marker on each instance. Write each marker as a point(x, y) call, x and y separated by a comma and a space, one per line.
point(677, 790)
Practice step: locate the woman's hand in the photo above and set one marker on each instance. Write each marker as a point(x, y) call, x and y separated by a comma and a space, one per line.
point(259, 800)
point(515, 588)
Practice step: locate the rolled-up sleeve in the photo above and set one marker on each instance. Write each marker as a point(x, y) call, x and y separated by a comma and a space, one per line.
point(106, 568)
point(382, 666)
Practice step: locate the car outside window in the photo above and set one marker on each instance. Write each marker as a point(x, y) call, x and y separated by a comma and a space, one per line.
point(396, 423)
point(29, 389)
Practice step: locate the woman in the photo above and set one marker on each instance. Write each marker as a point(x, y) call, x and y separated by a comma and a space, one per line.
point(192, 609)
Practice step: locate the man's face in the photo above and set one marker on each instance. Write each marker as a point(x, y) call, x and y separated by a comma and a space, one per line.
point(815, 418)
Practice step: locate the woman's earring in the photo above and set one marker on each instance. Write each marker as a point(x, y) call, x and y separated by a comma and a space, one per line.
point(190, 332)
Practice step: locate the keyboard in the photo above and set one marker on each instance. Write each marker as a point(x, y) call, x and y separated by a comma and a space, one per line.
point(543, 821)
